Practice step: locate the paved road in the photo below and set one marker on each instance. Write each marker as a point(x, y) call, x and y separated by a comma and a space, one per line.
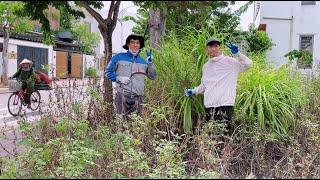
point(6, 117)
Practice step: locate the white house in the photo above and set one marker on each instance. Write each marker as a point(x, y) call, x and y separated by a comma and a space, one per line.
point(291, 25)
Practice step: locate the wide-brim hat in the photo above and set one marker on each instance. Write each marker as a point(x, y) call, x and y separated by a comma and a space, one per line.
point(26, 61)
point(212, 40)
point(135, 37)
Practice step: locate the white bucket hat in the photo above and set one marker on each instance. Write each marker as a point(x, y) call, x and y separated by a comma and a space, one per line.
point(26, 61)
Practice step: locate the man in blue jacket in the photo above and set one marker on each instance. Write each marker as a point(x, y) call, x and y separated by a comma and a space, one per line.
point(130, 89)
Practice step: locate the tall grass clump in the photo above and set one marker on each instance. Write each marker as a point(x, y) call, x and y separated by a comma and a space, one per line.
point(270, 99)
point(267, 98)
point(179, 66)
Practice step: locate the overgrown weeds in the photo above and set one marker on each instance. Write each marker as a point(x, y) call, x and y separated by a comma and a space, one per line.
point(276, 128)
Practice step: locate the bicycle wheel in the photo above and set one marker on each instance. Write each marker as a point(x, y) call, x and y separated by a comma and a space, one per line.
point(14, 104)
point(35, 100)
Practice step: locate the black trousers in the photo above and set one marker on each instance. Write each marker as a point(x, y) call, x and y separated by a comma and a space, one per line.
point(127, 104)
point(220, 114)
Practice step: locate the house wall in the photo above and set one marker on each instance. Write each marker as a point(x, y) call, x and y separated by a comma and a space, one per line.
point(285, 33)
point(12, 50)
point(89, 61)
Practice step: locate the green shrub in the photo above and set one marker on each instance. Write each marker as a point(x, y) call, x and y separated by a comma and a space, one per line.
point(270, 98)
point(304, 58)
point(179, 66)
point(91, 72)
point(169, 162)
point(257, 41)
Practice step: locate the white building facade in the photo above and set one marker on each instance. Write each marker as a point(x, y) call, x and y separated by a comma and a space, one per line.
point(291, 25)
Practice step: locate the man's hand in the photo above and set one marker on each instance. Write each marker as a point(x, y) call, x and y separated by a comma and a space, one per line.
point(123, 79)
point(189, 92)
point(149, 56)
point(234, 49)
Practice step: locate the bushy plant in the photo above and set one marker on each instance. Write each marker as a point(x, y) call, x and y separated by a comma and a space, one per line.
point(257, 41)
point(82, 34)
point(270, 98)
point(91, 72)
point(169, 162)
point(179, 66)
point(304, 58)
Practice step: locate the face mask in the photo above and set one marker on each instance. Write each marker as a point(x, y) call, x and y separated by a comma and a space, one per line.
point(134, 53)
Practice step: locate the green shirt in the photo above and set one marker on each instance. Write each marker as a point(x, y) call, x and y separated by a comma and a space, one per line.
point(27, 77)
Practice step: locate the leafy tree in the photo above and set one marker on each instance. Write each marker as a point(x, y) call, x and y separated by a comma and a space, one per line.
point(89, 40)
point(184, 13)
point(11, 21)
point(228, 22)
point(37, 11)
point(176, 15)
point(65, 18)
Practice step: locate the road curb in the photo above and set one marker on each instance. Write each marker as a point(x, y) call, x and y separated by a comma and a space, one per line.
point(4, 90)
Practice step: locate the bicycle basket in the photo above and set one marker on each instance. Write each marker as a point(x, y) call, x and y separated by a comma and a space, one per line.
point(14, 85)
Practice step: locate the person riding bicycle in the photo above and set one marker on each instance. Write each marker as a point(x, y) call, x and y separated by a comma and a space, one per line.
point(26, 75)
point(130, 90)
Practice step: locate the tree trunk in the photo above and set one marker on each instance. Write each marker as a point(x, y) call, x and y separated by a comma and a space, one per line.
point(155, 24)
point(106, 27)
point(6, 36)
point(107, 84)
point(163, 14)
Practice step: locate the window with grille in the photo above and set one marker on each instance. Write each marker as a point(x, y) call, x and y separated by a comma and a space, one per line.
point(306, 46)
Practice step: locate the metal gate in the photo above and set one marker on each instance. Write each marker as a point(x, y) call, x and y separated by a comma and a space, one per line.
point(39, 56)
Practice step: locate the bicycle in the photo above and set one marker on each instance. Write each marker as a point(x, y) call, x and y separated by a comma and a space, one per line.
point(18, 98)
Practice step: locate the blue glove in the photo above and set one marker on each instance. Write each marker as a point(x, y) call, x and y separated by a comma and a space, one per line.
point(149, 56)
point(234, 49)
point(188, 92)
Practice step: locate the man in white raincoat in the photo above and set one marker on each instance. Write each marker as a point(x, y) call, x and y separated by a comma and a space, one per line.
point(219, 81)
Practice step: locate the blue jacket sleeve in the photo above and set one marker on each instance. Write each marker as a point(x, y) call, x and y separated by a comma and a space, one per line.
point(110, 71)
